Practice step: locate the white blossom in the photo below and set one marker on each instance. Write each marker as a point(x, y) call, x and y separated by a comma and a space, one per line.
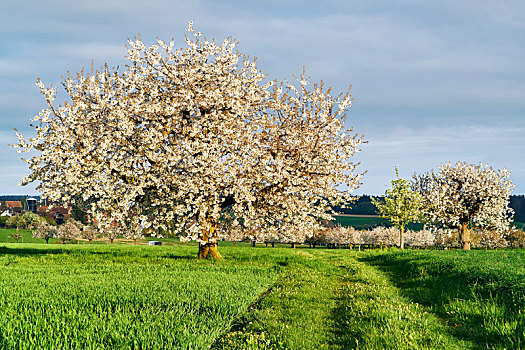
point(464, 196)
point(182, 135)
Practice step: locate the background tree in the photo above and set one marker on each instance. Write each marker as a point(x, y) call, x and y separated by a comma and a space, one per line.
point(31, 220)
point(44, 230)
point(11, 221)
point(68, 230)
point(516, 238)
point(16, 236)
point(88, 232)
point(490, 239)
point(16, 221)
point(401, 205)
point(134, 233)
point(466, 195)
point(183, 135)
point(79, 210)
point(112, 232)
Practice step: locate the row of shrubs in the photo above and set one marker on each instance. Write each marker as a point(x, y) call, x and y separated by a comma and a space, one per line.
point(389, 236)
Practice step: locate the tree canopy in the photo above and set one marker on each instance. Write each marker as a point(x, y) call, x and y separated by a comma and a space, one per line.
point(464, 195)
point(183, 137)
point(401, 205)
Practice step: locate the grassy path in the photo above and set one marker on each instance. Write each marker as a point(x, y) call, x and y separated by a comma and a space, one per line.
point(330, 300)
point(375, 315)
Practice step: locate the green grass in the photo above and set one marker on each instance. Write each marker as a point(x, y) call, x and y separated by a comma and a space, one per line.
point(140, 297)
point(479, 294)
point(114, 297)
point(28, 236)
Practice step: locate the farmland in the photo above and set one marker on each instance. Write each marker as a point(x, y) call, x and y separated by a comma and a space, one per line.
point(83, 297)
point(126, 296)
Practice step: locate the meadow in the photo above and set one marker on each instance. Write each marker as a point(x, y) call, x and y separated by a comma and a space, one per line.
point(140, 297)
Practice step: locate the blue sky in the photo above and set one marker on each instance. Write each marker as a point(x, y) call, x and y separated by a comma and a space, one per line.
point(432, 81)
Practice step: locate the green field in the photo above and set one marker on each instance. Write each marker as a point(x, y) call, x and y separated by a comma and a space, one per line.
point(367, 222)
point(140, 297)
point(359, 221)
point(108, 297)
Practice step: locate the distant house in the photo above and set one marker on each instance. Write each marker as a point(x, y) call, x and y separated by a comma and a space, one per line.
point(57, 213)
point(11, 207)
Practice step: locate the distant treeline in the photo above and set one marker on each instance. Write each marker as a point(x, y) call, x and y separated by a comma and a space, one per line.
point(15, 197)
point(518, 204)
point(363, 206)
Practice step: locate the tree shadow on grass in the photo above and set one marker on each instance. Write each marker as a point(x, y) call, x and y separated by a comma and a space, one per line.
point(457, 296)
point(22, 252)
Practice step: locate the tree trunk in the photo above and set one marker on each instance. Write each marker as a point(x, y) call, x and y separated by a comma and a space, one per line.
point(233, 243)
point(293, 245)
point(273, 244)
point(464, 236)
point(111, 240)
point(253, 244)
point(47, 240)
point(402, 237)
point(208, 246)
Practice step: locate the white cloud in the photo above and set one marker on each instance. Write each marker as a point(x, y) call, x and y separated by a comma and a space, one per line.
point(421, 149)
point(443, 76)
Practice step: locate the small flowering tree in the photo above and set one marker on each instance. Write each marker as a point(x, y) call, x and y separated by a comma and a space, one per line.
point(44, 230)
point(385, 236)
point(180, 136)
point(233, 234)
point(68, 230)
point(134, 232)
point(490, 239)
point(422, 238)
point(401, 205)
point(16, 236)
point(112, 231)
point(463, 195)
point(88, 232)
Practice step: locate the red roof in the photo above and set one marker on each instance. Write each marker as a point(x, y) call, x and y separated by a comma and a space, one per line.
point(55, 209)
point(13, 204)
